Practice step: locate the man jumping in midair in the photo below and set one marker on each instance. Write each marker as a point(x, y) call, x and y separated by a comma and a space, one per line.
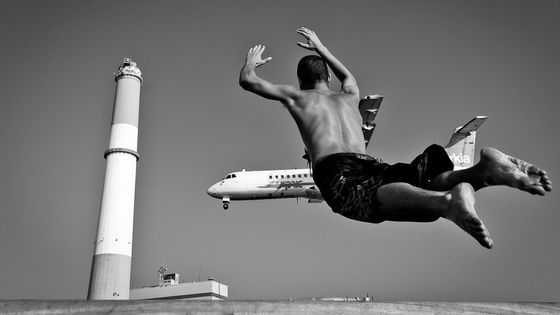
point(361, 187)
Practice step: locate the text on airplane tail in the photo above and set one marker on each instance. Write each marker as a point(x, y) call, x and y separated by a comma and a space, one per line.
point(460, 158)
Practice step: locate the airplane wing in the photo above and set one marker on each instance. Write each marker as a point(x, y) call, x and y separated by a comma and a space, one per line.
point(369, 106)
point(313, 195)
point(314, 201)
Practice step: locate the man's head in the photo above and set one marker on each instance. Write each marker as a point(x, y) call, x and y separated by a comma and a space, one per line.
point(312, 69)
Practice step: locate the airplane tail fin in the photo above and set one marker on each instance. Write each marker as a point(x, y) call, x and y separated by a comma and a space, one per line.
point(461, 146)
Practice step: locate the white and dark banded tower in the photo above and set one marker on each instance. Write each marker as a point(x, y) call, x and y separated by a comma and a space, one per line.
point(110, 270)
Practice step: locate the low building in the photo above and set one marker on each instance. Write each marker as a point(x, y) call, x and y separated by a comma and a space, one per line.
point(169, 288)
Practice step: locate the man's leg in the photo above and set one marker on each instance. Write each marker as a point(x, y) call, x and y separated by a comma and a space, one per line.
point(404, 202)
point(497, 168)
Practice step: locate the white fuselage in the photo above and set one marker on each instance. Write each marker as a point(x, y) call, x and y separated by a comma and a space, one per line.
point(269, 184)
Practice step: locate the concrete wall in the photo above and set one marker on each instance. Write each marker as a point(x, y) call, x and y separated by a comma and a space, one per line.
point(270, 307)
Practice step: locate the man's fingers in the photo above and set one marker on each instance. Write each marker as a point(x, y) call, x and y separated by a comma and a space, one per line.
point(303, 32)
point(255, 53)
point(306, 46)
point(256, 49)
point(262, 62)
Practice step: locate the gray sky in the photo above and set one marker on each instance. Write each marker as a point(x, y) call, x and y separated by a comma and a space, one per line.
point(438, 63)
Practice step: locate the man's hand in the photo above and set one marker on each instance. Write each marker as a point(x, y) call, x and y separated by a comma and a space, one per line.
point(313, 41)
point(254, 58)
point(250, 81)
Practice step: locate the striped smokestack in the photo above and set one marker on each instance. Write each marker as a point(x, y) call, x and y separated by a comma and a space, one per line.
point(110, 270)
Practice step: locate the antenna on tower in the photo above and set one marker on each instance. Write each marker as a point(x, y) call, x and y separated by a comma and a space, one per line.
point(161, 272)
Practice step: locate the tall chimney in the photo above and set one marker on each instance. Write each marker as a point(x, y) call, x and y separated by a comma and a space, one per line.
point(110, 269)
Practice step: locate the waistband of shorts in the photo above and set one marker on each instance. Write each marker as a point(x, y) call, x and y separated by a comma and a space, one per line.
point(359, 156)
point(327, 159)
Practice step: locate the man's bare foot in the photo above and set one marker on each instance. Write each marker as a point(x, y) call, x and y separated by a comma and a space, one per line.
point(462, 213)
point(502, 169)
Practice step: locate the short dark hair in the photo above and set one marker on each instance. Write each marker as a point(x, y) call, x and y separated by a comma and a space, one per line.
point(312, 69)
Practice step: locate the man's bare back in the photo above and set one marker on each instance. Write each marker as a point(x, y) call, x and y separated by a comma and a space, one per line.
point(356, 185)
point(329, 122)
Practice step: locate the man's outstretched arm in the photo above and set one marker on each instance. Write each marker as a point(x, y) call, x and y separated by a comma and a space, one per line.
point(250, 81)
point(349, 84)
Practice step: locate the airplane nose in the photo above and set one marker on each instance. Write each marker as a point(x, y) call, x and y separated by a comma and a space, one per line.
point(212, 191)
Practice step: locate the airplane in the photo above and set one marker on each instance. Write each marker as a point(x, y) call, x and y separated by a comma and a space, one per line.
point(298, 183)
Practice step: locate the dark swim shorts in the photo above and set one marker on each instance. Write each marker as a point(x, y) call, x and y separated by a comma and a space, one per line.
point(349, 181)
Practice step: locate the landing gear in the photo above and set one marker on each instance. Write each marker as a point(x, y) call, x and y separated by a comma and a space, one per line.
point(226, 201)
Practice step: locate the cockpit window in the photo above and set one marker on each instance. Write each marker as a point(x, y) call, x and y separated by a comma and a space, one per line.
point(230, 176)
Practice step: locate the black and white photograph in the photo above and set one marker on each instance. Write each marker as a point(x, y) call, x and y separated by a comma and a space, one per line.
point(279, 157)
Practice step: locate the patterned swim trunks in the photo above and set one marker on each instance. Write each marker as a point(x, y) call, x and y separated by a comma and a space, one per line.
point(349, 181)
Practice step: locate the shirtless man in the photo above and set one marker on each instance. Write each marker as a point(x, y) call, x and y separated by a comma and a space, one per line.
point(362, 187)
